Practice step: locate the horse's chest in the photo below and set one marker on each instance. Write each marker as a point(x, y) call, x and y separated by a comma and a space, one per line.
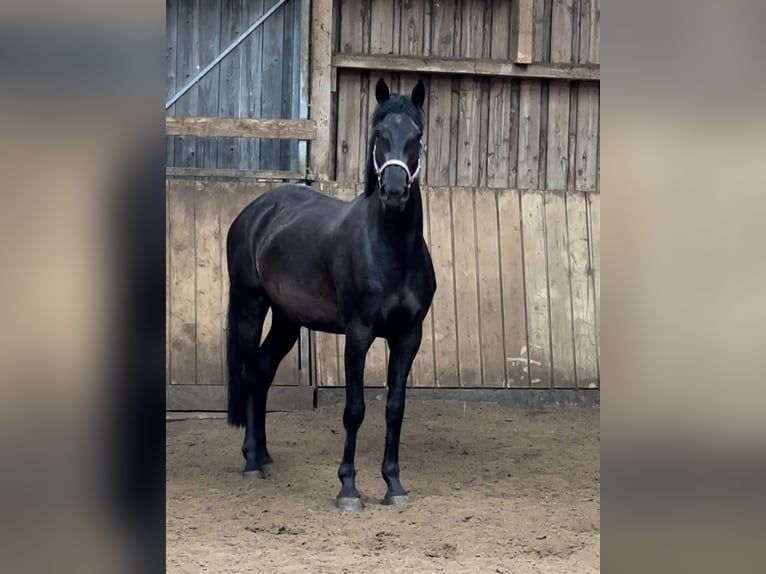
point(398, 312)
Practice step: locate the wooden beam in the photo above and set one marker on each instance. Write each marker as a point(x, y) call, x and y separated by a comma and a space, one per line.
point(240, 127)
point(263, 175)
point(522, 24)
point(321, 84)
point(469, 66)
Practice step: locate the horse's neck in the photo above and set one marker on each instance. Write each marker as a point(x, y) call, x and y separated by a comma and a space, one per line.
point(398, 230)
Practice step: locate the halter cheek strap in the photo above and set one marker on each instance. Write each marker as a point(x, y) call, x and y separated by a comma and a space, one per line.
point(379, 169)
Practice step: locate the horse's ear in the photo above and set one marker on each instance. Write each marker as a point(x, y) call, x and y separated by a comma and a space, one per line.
point(381, 91)
point(419, 94)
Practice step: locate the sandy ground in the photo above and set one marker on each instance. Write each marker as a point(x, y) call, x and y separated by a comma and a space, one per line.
point(492, 490)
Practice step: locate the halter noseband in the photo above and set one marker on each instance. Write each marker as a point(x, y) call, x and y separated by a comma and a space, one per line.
point(379, 169)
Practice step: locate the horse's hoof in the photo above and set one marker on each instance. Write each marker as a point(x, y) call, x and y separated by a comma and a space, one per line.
point(267, 470)
point(348, 504)
point(396, 500)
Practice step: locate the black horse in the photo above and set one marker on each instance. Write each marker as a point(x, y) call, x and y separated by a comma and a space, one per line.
point(360, 268)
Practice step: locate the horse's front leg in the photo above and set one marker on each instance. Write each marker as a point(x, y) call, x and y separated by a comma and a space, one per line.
point(403, 351)
point(358, 341)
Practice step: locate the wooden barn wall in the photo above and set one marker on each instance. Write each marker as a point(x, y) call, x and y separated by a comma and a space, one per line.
point(199, 213)
point(511, 191)
point(258, 79)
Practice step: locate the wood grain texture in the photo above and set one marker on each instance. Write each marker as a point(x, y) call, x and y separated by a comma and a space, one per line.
point(490, 312)
point(171, 39)
point(349, 138)
point(587, 137)
point(208, 283)
point(469, 133)
point(583, 295)
point(590, 31)
point(466, 295)
point(439, 135)
point(423, 371)
point(513, 291)
point(230, 149)
point(536, 289)
point(209, 47)
point(443, 22)
point(272, 78)
point(528, 176)
point(557, 149)
point(500, 145)
point(321, 72)
point(559, 290)
point(445, 334)
point(594, 243)
point(522, 26)
point(187, 60)
point(182, 243)
point(252, 80)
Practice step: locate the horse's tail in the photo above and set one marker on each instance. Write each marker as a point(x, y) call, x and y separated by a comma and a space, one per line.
point(237, 389)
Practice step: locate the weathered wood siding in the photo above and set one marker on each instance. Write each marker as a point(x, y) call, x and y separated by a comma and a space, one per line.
point(199, 215)
point(257, 80)
point(517, 298)
point(511, 187)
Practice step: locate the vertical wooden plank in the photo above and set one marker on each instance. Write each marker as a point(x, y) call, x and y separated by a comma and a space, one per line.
point(529, 135)
point(559, 290)
point(590, 32)
point(466, 296)
point(594, 244)
point(536, 289)
point(439, 137)
point(321, 71)
point(561, 30)
point(469, 133)
point(557, 168)
point(290, 90)
point(230, 80)
point(251, 88)
point(472, 26)
point(187, 60)
point(352, 99)
point(382, 27)
point(208, 283)
point(443, 28)
point(445, 334)
point(412, 28)
point(522, 25)
point(583, 296)
point(423, 366)
point(326, 359)
point(349, 121)
point(271, 74)
point(489, 284)
point(513, 292)
point(168, 255)
point(501, 25)
point(171, 37)
point(376, 366)
point(209, 46)
point(557, 149)
point(499, 146)
point(587, 137)
point(183, 334)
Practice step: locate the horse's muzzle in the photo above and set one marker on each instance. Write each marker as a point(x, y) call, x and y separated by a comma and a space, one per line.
point(395, 200)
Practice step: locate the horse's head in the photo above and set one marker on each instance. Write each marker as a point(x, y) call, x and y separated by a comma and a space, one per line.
point(396, 143)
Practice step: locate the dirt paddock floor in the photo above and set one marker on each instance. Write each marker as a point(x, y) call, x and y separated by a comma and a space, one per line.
point(492, 489)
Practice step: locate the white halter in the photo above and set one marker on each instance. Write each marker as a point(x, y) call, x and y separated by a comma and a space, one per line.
point(379, 169)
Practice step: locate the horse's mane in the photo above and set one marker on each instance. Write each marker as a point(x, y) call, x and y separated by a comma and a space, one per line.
point(395, 104)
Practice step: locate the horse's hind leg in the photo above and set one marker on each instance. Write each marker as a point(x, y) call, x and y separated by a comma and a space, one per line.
point(250, 317)
point(279, 341)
